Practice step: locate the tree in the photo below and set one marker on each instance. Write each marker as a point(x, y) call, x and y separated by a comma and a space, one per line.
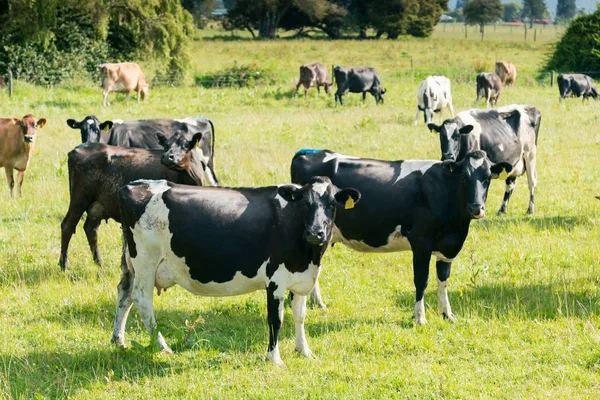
point(512, 11)
point(482, 12)
point(460, 4)
point(566, 10)
point(534, 9)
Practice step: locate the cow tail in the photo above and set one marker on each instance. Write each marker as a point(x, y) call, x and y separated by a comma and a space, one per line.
point(211, 164)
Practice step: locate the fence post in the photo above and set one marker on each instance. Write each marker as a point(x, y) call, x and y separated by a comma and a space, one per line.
point(534, 34)
point(332, 74)
point(411, 63)
point(525, 27)
point(551, 78)
point(10, 83)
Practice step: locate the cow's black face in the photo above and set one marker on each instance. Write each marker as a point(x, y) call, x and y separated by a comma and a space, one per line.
point(177, 149)
point(475, 172)
point(90, 128)
point(450, 137)
point(319, 200)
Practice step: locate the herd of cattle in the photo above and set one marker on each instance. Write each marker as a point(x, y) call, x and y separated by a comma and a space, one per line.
point(156, 177)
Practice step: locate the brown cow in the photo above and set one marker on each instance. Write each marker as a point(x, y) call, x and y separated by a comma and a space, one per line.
point(507, 72)
point(489, 87)
point(17, 138)
point(314, 74)
point(122, 78)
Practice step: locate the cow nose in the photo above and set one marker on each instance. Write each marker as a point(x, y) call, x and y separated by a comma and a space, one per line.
point(477, 211)
point(28, 139)
point(316, 238)
point(448, 156)
point(171, 157)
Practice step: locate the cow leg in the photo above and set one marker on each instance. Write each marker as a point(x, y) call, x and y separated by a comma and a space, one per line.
point(319, 89)
point(417, 117)
point(530, 161)
point(10, 178)
point(510, 186)
point(315, 297)
point(105, 98)
point(488, 96)
point(297, 87)
point(451, 109)
point(364, 94)
point(305, 91)
point(91, 232)
point(299, 311)
point(443, 273)
point(124, 301)
point(421, 276)
point(20, 177)
point(77, 207)
point(274, 318)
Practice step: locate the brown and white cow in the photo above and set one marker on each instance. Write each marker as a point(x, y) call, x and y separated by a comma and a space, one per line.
point(17, 138)
point(122, 78)
point(314, 74)
point(507, 72)
point(489, 87)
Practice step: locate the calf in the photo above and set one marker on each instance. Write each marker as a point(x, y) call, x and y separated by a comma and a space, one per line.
point(96, 172)
point(122, 78)
point(143, 134)
point(576, 85)
point(226, 242)
point(507, 134)
point(314, 74)
point(17, 138)
point(358, 80)
point(423, 206)
point(433, 96)
point(507, 72)
point(489, 87)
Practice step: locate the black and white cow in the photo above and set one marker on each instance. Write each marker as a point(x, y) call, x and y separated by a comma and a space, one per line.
point(358, 80)
point(226, 242)
point(507, 134)
point(576, 85)
point(423, 206)
point(433, 96)
point(143, 134)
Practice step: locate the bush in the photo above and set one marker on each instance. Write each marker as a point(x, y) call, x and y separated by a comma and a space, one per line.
point(238, 75)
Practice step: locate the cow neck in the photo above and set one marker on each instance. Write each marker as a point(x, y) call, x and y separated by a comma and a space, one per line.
point(451, 209)
point(196, 169)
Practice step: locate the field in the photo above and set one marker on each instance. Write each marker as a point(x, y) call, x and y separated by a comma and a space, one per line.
point(525, 290)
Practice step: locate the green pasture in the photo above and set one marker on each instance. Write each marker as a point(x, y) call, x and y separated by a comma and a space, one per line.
point(525, 290)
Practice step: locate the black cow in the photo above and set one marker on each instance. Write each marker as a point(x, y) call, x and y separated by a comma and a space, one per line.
point(97, 171)
point(423, 206)
point(226, 242)
point(489, 87)
point(358, 80)
point(143, 134)
point(507, 134)
point(576, 85)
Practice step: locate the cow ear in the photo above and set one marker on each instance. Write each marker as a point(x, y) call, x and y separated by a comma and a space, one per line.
point(500, 170)
point(41, 122)
point(196, 140)
point(106, 126)
point(290, 193)
point(466, 129)
point(73, 124)
point(433, 127)
point(162, 140)
point(347, 198)
point(451, 166)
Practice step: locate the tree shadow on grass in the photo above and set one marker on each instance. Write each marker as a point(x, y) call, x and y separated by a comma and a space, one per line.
point(557, 222)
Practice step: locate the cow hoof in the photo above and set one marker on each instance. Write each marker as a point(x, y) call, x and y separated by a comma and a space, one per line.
point(501, 212)
point(167, 351)
point(306, 353)
point(449, 317)
point(320, 305)
point(420, 320)
point(276, 361)
point(119, 342)
point(530, 211)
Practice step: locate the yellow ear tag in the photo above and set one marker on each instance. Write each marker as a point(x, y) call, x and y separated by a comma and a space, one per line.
point(451, 168)
point(503, 175)
point(106, 128)
point(293, 197)
point(349, 203)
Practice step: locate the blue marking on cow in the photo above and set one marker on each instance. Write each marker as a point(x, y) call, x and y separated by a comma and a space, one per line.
point(202, 119)
point(302, 152)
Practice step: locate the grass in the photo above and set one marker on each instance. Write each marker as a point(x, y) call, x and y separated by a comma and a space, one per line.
point(525, 290)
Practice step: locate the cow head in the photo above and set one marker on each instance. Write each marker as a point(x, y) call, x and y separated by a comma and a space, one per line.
point(145, 92)
point(29, 126)
point(450, 137)
point(379, 95)
point(328, 88)
point(90, 128)
point(178, 149)
point(501, 69)
point(474, 173)
point(319, 200)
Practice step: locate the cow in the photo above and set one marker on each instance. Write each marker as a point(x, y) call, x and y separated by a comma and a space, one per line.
point(358, 80)
point(507, 72)
point(314, 74)
point(576, 85)
point(97, 171)
point(423, 206)
point(143, 134)
point(17, 139)
point(507, 134)
point(433, 96)
point(216, 241)
point(489, 87)
point(122, 78)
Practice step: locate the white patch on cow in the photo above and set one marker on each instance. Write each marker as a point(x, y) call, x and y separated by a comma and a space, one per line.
point(501, 147)
point(408, 167)
point(467, 117)
point(476, 162)
point(117, 121)
point(299, 312)
point(282, 202)
point(443, 302)
point(274, 357)
point(395, 242)
point(419, 312)
point(187, 120)
point(332, 156)
point(320, 188)
point(90, 122)
point(442, 257)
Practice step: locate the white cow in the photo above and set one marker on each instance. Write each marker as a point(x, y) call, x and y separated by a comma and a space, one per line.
point(434, 95)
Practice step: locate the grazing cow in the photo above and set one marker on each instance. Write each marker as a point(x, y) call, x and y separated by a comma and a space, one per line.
point(433, 96)
point(314, 74)
point(358, 80)
point(423, 206)
point(507, 134)
point(97, 171)
point(226, 242)
point(576, 85)
point(507, 72)
point(17, 138)
point(122, 78)
point(489, 87)
point(143, 134)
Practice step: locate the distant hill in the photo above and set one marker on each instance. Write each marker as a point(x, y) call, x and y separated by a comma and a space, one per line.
point(589, 5)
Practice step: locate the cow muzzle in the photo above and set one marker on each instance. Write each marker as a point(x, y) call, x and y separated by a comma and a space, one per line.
point(477, 212)
point(316, 238)
point(28, 139)
point(448, 157)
